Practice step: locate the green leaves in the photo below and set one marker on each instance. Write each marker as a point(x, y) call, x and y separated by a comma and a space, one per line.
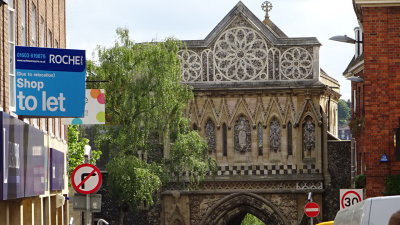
point(144, 93)
point(392, 185)
point(76, 149)
point(188, 153)
point(132, 181)
point(250, 219)
point(343, 112)
point(145, 104)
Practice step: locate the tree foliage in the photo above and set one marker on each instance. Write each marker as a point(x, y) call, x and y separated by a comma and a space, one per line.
point(132, 181)
point(188, 154)
point(76, 149)
point(250, 219)
point(145, 104)
point(344, 112)
point(144, 92)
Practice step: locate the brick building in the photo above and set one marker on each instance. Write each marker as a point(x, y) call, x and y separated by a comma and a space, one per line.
point(31, 184)
point(375, 75)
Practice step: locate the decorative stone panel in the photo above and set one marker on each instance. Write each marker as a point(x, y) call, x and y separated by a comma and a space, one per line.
point(242, 54)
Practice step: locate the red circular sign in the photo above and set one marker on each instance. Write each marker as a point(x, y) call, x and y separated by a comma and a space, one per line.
point(311, 209)
point(350, 198)
point(86, 178)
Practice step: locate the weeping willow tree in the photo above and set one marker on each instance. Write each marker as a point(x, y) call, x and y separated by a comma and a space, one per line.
point(144, 103)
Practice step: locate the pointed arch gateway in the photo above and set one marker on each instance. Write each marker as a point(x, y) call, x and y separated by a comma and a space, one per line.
point(232, 209)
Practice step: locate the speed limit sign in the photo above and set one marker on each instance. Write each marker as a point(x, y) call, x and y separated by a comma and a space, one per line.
point(349, 197)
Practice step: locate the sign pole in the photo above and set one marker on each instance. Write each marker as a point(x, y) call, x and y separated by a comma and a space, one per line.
point(88, 214)
point(311, 220)
point(86, 179)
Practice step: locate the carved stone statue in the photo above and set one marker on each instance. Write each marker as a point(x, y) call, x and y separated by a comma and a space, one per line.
point(210, 135)
point(275, 136)
point(308, 135)
point(242, 135)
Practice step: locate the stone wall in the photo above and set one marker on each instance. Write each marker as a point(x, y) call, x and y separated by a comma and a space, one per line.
point(339, 166)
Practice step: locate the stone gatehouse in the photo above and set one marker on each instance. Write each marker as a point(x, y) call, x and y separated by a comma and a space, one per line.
point(266, 110)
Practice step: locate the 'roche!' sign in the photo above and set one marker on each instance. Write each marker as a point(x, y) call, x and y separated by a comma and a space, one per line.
point(50, 82)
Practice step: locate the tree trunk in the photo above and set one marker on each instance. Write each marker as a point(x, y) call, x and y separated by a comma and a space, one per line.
point(121, 217)
point(166, 142)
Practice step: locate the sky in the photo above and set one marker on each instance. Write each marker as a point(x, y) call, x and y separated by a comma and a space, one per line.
point(92, 23)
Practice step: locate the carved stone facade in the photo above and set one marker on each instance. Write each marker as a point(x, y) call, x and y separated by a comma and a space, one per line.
point(264, 107)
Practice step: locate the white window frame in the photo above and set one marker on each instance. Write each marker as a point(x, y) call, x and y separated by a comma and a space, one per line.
point(11, 54)
point(33, 27)
point(23, 22)
point(42, 30)
point(50, 39)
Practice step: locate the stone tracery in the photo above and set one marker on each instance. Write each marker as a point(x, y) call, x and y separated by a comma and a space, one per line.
point(191, 65)
point(242, 54)
point(296, 63)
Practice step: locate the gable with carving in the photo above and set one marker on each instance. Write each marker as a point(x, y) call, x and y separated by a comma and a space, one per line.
point(243, 49)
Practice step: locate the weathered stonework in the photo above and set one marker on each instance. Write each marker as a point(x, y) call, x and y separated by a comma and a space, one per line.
point(269, 96)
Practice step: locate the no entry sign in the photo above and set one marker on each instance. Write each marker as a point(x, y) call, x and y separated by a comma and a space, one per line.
point(86, 178)
point(311, 209)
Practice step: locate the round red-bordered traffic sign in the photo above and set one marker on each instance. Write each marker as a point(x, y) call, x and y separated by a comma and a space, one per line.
point(311, 209)
point(347, 196)
point(86, 178)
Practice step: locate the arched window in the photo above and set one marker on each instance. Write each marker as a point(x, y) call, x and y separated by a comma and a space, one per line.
point(275, 135)
point(210, 135)
point(289, 139)
point(308, 135)
point(224, 140)
point(260, 139)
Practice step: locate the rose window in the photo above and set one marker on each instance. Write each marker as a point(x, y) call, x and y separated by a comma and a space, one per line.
point(240, 54)
point(296, 63)
point(191, 65)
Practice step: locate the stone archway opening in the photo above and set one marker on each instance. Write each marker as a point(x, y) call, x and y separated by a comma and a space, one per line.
point(232, 209)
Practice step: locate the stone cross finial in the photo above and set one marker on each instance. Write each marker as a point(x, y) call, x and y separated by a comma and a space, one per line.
point(266, 7)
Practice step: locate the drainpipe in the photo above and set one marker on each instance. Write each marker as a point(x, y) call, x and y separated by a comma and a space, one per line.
point(352, 159)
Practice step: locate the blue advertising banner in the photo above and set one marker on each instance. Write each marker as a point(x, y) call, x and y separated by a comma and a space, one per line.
point(50, 82)
point(22, 159)
point(56, 170)
point(35, 168)
point(12, 170)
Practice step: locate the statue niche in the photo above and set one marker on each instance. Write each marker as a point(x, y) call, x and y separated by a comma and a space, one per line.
point(210, 135)
point(275, 136)
point(242, 136)
point(308, 136)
